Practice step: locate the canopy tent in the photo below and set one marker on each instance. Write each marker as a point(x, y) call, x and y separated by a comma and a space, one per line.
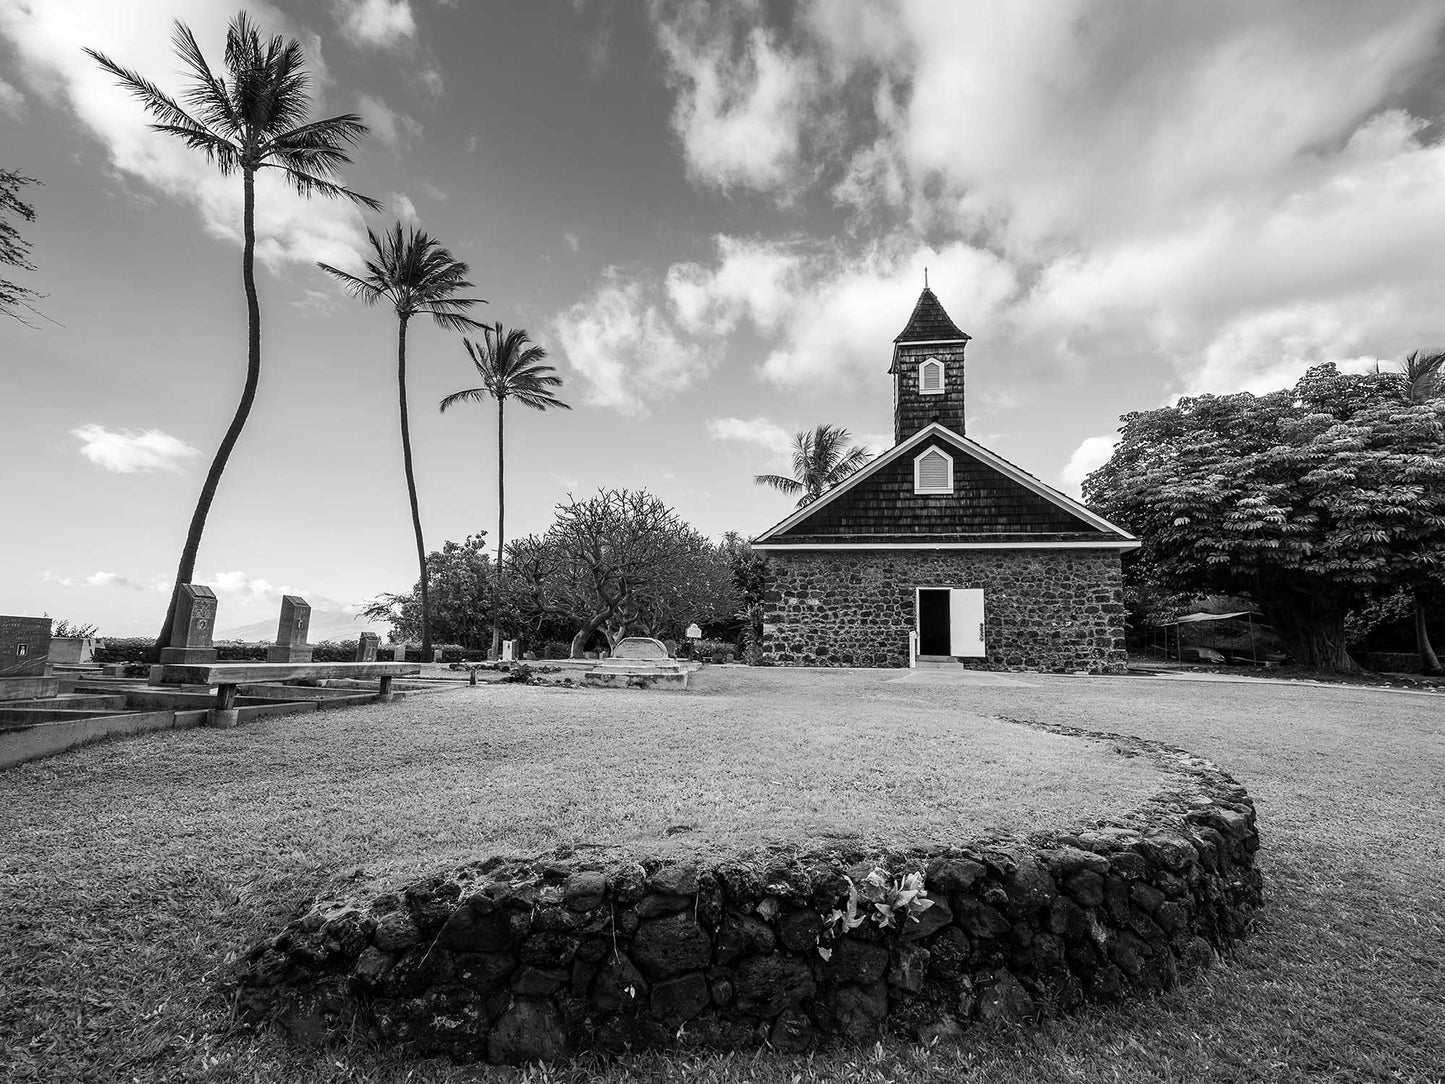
point(1194, 619)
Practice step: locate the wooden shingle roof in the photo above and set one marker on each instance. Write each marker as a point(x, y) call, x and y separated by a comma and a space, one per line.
point(929, 323)
point(994, 504)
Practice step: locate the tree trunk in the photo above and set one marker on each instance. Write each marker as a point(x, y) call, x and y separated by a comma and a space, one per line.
point(501, 521)
point(1312, 626)
point(579, 642)
point(411, 489)
point(187, 568)
point(1429, 661)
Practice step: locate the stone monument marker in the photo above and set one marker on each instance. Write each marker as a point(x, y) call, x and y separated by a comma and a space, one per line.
point(366, 647)
point(640, 647)
point(193, 627)
point(290, 645)
point(639, 661)
point(398, 653)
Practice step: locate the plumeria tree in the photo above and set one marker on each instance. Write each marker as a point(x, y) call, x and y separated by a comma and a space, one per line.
point(250, 117)
point(621, 562)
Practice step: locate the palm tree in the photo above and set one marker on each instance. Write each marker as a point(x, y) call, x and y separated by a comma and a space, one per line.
point(821, 459)
point(1424, 380)
point(510, 367)
point(251, 117)
point(417, 277)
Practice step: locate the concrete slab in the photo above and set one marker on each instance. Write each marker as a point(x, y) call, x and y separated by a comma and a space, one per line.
point(28, 687)
point(960, 675)
point(23, 743)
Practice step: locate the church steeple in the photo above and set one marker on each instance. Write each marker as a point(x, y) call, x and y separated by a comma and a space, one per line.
point(927, 370)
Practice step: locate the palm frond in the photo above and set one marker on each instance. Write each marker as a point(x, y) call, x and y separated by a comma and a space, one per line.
point(308, 185)
point(208, 94)
point(156, 102)
point(1424, 376)
point(470, 395)
point(779, 482)
point(357, 287)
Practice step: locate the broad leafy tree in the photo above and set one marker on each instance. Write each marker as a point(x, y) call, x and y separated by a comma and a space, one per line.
point(14, 248)
point(416, 276)
point(460, 576)
point(621, 562)
point(1308, 500)
point(510, 366)
point(822, 458)
point(250, 117)
point(1424, 382)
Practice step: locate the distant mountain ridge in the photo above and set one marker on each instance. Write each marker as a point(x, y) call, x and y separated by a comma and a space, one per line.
point(325, 625)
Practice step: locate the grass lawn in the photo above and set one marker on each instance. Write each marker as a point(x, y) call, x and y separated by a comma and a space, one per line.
point(129, 871)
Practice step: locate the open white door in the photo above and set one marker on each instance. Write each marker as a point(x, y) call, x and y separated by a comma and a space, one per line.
point(965, 620)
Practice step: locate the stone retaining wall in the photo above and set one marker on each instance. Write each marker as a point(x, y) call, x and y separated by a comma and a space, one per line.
point(1043, 609)
point(514, 961)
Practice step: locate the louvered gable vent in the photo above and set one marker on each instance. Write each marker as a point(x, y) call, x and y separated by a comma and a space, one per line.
point(933, 472)
point(930, 377)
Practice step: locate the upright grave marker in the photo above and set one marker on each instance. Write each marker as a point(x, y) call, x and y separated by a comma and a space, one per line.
point(366, 647)
point(193, 627)
point(24, 658)
point(290, 645)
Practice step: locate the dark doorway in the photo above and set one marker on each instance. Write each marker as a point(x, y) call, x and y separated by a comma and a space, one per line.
point(933, 625)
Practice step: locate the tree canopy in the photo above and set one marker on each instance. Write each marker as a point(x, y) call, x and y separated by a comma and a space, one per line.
point(622, 562)
point(1308, 500)
point(460, 574)
point(822, 457)
point(14, 248)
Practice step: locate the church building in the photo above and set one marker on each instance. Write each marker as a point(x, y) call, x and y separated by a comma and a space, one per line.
point(939, 551)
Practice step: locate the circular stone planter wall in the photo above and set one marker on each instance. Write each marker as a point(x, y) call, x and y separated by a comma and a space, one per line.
point(515, 961)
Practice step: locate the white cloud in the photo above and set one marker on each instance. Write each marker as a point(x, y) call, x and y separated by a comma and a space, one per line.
point(127, 452)
point(392, 127)
point(752, 278)
point(850, 307)
point(1209, 197)
point(48, 38)
point(112, 579)
point(572, 241)
point(1088, 457)
point(625, 346)
point(404, 209)
point(760, 431)
point(430, 82)
point(12, 102)
point(740, 93)
point(379, 24)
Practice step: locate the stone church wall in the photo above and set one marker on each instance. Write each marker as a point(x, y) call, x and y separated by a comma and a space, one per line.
point(1044, 609)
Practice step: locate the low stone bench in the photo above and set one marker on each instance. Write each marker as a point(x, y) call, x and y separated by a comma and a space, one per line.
point(227, 676)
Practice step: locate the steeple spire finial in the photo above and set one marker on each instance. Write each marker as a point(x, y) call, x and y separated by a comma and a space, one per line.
point(925, 278)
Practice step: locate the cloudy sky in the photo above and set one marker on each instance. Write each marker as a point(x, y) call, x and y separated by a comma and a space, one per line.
point(716, 217)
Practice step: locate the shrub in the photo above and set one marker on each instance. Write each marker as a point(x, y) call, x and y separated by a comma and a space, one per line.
point(237, 651)
point(134, 649)
point(706, 649)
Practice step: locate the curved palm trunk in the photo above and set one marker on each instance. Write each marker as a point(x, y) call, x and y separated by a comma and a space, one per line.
point(501, 520)
point(187, 567)
point(411, 489)
point(1429, 661)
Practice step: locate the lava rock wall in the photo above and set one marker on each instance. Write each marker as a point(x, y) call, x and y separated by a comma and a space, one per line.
point(516, 961)
point(1043, 609)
